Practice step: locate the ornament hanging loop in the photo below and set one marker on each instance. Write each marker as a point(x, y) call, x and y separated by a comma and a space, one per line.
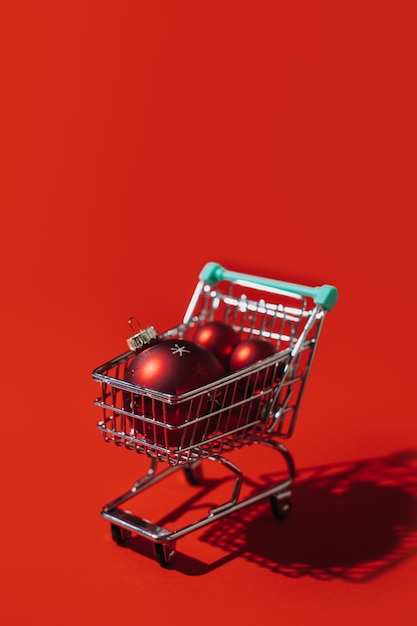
point(132, 321)
point(142, 337)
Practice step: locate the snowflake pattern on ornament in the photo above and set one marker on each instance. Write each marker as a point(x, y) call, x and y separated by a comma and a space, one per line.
point(176, 349)
point(199, 371)
point(215, 397)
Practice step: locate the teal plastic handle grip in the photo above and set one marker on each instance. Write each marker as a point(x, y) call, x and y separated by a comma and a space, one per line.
point(325, 295)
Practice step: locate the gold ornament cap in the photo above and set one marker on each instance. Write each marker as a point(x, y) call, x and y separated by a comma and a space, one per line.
point(143, 337)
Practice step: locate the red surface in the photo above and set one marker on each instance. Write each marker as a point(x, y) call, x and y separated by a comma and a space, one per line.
point(139, 141)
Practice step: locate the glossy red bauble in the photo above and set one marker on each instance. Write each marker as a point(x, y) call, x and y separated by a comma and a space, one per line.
point(239, 413)
point(247, 353)
point(218, 337)
point(173, 367)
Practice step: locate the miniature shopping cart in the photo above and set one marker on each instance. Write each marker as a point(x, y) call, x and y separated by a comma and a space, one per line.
point(241, 413)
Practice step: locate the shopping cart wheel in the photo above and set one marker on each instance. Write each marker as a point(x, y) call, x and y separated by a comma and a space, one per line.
point(194, 473)
point(119, 535)
point(280, 506)
point(164, 553)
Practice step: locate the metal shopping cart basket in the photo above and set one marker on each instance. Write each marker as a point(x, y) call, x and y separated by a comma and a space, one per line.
point(256, 405)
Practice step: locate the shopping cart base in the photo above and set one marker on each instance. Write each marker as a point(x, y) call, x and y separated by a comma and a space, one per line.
point(124, 523)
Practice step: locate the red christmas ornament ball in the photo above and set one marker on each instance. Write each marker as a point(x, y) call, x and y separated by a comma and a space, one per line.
point(240, 411)
point(173, 366)
point(247, 353)
point(218, 337)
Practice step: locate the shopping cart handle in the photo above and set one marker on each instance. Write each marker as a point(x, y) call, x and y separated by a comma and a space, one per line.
point(325, 295)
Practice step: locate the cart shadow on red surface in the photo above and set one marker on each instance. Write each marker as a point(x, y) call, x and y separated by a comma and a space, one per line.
point(351, 521)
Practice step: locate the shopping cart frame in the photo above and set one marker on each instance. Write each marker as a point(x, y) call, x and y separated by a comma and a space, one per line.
point(293, 323)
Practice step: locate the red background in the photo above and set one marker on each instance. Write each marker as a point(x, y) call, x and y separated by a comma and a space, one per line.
point(139, 141)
